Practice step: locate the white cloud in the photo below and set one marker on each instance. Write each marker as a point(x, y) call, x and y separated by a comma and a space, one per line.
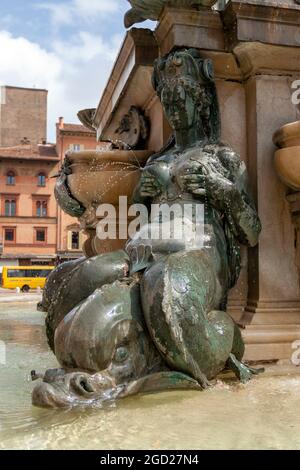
point(75, 72)
point(84, 47)
point(92, 7)
point(61, 14)
point(22, 60)
point(86, 10)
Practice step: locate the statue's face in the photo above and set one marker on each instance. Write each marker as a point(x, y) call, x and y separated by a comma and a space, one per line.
point(179, 106)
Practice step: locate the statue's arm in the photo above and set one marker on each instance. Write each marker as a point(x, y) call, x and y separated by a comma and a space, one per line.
point(241, 211)
point(139, 196)
point(228, 194)
point(147, 189)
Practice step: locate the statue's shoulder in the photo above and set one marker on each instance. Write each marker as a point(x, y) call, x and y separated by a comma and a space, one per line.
point(228, 158)
point(233, 165)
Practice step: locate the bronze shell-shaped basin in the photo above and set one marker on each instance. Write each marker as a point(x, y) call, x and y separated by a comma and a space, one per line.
point(288, 135)
point(103, 176)
point(287, 164)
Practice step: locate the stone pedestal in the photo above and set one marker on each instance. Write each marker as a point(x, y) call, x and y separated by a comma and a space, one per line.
point(255, 47)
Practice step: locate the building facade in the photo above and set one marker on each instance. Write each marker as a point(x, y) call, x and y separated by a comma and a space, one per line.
point(28, 212)
point(74, 137)
point(33, 229)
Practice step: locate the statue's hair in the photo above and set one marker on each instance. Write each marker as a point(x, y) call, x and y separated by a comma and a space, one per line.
point(198, 82)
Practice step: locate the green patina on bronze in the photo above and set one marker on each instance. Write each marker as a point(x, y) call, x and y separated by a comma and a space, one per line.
point(150, 9)
point(63, 195)
point(153, 317)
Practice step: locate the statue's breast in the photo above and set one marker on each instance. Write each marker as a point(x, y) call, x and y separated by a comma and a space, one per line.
point(196, 161)
point(161, 170)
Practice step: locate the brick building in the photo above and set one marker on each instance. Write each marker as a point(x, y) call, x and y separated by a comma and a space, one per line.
point(23, 115)
point(33, 229)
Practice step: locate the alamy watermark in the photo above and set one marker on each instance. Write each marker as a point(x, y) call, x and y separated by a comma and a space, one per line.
point(178, 221)
point(295, 359)
point(2, 353)
point(296, 93)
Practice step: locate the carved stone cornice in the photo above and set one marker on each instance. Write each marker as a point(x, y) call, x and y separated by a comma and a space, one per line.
point(132, 68)
point(189, 28)
point(257, 58)
point(267, 21)
point(148, 9)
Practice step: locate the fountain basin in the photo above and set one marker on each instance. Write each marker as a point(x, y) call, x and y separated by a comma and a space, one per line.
point(168, 420)
point(102, 177)
point(287, 158)
point(288, 135)
point(287, 164)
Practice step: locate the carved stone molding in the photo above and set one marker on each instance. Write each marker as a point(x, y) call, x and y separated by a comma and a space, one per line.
point(266, 21)
point(148, 9)
point(189, 28)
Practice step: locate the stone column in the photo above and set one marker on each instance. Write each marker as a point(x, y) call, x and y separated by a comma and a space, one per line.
point(269, 64)
point(273, 277)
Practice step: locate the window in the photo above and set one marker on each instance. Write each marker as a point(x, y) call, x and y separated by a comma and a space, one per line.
point(40, 235)
point(10, 206)
point(29, 273)
point(75, 240)
point(41, 179)
point(10, 178)
point(41, 209)
point(16, 273)
point(77, 147)
point(10, 235)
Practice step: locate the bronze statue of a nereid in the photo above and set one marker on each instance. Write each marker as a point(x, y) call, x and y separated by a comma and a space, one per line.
point(153, 316)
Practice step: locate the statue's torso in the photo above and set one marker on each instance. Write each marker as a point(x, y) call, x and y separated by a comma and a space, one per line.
point(197, 212)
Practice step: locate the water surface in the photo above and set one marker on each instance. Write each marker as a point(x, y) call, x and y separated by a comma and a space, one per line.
point(263, 414)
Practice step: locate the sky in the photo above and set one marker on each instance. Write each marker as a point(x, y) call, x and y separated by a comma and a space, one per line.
point(65, 46)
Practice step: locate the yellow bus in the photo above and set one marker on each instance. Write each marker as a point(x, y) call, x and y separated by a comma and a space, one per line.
point(25, 277)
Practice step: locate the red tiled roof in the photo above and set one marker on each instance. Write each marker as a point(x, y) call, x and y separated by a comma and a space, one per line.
point(76, 128)
point(28, 151)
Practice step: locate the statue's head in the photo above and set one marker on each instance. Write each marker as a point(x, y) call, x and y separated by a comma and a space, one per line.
point(184, 82)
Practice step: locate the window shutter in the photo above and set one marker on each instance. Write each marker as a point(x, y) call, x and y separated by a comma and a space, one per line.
point(69, 240)
point(81, 240)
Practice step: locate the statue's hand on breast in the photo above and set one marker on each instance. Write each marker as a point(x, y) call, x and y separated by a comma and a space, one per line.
point(204, 180)
point(150, 186)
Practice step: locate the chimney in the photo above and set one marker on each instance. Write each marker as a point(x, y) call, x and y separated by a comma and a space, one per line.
point(61, 122)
